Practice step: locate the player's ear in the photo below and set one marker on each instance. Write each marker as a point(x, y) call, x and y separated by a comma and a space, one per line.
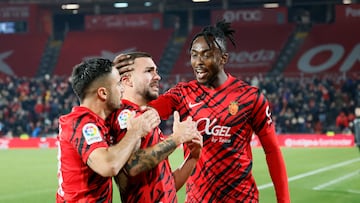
point(224, 58)
point(126, 79)
point(102, 93)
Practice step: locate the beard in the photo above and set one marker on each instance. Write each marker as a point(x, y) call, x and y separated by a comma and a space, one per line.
point(114, 104)
point(149, 96)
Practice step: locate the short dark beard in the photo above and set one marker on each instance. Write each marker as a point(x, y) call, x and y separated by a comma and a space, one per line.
point(149, 97)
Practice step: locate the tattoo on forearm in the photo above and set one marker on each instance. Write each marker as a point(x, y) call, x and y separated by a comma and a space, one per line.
point(146, 159)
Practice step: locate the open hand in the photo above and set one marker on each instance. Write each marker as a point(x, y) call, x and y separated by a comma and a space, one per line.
point(184, 131)
point(143, 124)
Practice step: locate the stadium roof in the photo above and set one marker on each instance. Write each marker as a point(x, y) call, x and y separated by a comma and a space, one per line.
point(107, 6)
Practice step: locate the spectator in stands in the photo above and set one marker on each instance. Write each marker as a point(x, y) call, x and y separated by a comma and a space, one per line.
point(2, 128)
point(37, 131)
point(87, 163)
point(342, 121)
point(228, 111)
point(255, 81)
point(357, 93)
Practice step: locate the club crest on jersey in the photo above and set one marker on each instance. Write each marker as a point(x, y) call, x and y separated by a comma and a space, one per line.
point(91, 133)
point(233, 108)
point(124, 117)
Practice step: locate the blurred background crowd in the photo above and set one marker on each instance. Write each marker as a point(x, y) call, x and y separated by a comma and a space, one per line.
point(300, 105)
point(304, 55)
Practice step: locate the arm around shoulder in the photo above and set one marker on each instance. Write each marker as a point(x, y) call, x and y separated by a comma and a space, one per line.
point(109, 161)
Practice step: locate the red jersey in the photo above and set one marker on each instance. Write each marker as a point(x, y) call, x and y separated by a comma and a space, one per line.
point(227, 117)
point(80, 132)
point(155, 185)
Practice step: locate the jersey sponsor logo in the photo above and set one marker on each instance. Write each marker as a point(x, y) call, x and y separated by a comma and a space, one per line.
point(211, 129)
point(124, 117)
point(218, 133)
point(91, 133)
point(192, 105)
point(233, 108)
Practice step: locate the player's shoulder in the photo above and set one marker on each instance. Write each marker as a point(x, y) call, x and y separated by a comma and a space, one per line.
point(186, 84)
point(78, 114)
point(125, 109)
point(244, 85)
point(78, 121)
point(181, 88)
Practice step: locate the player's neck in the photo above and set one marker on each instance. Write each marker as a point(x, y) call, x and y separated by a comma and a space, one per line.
point(218, 81)
point(96, 107)
point(136, 99)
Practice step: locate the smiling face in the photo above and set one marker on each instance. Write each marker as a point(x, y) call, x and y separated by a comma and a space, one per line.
point(207, 62)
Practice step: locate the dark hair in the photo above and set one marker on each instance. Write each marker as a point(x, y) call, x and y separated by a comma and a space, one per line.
point(218, 34)
point(134, 55)
point(85, 73)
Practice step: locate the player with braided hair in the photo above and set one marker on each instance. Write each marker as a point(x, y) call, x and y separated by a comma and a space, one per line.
point(228, 111)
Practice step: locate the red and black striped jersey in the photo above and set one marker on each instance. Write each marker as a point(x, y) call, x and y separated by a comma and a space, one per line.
point(155, 185)
point(81, 132)
point(227, 117)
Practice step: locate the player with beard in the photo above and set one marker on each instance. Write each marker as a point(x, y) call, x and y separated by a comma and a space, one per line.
point(147, 177)
point(86, 163)
point(228, 111)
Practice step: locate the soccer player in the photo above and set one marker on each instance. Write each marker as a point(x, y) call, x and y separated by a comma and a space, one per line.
point(228, 112)
point(86, 163)
point(147, 177)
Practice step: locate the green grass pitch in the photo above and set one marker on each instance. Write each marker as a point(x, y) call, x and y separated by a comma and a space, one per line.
point(316, 175)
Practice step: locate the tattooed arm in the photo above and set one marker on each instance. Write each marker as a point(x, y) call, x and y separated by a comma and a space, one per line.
point(108, 161)
point(145, 159)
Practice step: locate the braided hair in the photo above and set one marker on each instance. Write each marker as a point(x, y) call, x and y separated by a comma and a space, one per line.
point(217, 34)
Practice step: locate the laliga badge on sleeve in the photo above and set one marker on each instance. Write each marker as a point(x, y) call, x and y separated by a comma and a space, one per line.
point(91, 133)
point(124, 117)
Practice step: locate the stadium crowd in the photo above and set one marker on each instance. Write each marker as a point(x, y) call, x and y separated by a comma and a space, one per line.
point(31, 106)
